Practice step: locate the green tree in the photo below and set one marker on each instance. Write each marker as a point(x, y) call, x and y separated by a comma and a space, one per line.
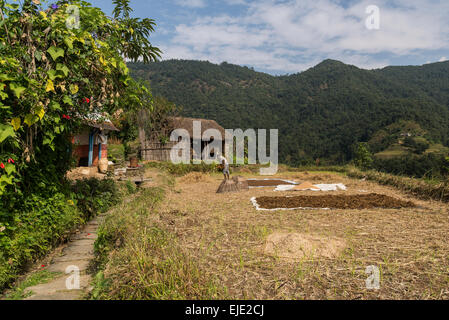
point(363, 157)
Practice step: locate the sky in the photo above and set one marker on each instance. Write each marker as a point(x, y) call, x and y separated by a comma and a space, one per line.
point(290, 36)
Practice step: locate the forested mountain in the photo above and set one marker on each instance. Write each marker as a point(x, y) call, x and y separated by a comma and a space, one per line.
point(320, 113)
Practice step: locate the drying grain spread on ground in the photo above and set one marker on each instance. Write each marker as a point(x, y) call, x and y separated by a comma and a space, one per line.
point(364, 201)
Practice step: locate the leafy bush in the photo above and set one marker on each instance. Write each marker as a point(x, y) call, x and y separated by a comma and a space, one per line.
point(363, 157)
point(424, 166)
point(183, 169)
point(95, 196)
point(116, 153)
point(47, 92)
point(30, 229)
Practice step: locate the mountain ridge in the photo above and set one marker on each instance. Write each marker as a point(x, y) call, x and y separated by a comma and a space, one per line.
point(320, 112)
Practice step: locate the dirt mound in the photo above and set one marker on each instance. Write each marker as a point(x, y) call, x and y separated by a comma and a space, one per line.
point(267, 183)
point(295, 246)
point(364, 201)
point(194, 177)
point(81, 173)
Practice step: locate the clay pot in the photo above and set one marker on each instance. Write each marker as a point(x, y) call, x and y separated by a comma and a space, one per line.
point(103, 165)
point(133, 162)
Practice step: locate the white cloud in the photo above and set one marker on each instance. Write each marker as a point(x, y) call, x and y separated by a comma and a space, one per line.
point(191, 3)
point(442, 59)
point(292, 35)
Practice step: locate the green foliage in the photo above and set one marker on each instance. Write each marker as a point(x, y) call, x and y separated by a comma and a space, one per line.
point(116, 153)
point(135, 33)
point(429, 165)
point(95, 196)
point(183, 169)
point(418, 145)
point(31, 228)
point(39, 277)
point(53, 76)
point(131, 187)
point(363, 157)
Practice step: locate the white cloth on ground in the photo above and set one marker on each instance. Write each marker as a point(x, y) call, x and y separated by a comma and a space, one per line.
point(322, 187)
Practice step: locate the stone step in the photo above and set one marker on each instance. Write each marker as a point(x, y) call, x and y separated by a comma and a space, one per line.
point(82, 242)
point(78, 250)
point(85, 236)
point(74, 257)
point(58, 285)
point(62, 266)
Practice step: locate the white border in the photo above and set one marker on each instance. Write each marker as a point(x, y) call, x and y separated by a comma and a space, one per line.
point(255, 179)
point(258, 208)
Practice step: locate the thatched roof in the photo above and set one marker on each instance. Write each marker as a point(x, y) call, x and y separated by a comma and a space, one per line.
point(187, 124)
point(106, 125)
point(100, 121)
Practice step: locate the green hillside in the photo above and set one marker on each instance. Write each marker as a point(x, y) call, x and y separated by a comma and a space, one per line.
point(320, 113)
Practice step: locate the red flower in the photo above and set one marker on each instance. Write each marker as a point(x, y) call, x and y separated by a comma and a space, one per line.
point(86, 100)
point(66, 117)
point(10, 160)
point(2, 165)
point(43, 266)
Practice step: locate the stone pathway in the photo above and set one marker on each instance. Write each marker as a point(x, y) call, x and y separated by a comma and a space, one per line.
point(78, 253)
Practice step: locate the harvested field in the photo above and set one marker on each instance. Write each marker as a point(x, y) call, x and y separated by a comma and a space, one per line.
point(193, 177)
point(268, 183)
point(363, 201)
point(296, 246)
point(298, 254)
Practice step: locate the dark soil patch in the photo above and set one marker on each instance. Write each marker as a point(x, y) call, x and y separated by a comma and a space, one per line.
point(365, 201)
point(267, 183)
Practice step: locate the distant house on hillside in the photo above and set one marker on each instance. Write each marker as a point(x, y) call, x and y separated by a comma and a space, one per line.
point(158, 148)
point(91, 144)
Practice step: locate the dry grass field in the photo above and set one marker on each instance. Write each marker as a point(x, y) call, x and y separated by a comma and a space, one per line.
point(298, 254)
point(311, 254)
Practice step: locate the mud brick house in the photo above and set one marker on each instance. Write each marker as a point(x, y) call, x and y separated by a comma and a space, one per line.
point(91, 143)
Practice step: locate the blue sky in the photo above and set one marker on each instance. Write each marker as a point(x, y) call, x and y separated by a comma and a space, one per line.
point(290, 36)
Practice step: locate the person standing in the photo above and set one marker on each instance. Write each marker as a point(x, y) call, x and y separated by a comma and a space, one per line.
point(225, 164)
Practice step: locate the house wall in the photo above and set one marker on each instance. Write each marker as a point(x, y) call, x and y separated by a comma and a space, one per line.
point(82, 152)
point(81, 149)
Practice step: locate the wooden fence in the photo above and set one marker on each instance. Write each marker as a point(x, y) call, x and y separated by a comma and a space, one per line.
point(157, 151)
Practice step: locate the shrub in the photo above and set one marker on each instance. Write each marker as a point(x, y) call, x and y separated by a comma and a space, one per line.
point(363, 157)
point(183, 169)
point(95, 196)
point(37, 222)
point(33, 230)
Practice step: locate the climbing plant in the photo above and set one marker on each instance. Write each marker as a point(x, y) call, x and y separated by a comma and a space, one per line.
point(59, 63)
